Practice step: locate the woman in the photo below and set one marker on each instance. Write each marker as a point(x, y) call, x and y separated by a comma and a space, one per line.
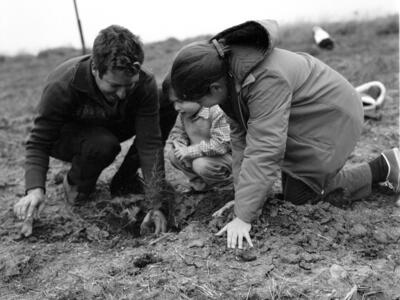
point(288, 111)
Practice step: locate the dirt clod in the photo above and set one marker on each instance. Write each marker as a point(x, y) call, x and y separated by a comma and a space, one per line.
point(245, 255)
point(146, 259)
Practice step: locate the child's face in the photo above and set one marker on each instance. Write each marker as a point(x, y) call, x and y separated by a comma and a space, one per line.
point(185, 107)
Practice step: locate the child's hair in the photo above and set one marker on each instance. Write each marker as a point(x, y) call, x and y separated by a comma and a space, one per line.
point(166, 84)
point(116, 48)
point(196, 66)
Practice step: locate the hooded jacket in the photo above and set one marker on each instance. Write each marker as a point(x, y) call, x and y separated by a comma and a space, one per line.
point(288, 111)
point(72, 96)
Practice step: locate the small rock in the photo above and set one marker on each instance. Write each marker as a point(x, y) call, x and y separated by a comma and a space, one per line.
point(27, 226)
point(397, 271)
point(380, 236)
point(335, 246)
point(338, 272)
point(146, 259)
point(310, 258)
point(305, 265)
point(363, 272)
point(358, 230)
point(380, 264)
point(398, 202)
point(206, 252)
point(196, 243)
point(14, 265)
point(245, 255)
point(59, 177)
point(269, 269)
point(290, 258)
point(94, 233)
point(332, 233)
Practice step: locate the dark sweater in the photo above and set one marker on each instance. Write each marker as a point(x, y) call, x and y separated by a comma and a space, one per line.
point(71, 95)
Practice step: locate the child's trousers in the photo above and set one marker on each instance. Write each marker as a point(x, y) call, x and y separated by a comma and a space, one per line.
point(211, 170)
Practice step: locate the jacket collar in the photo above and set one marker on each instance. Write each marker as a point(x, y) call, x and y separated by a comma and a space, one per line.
point(83, 79)
point(250, 43)
point(204, 113)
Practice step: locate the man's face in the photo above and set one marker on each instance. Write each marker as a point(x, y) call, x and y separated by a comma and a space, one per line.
point(115, 84)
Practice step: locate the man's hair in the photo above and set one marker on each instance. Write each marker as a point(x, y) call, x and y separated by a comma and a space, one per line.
point(116, 48)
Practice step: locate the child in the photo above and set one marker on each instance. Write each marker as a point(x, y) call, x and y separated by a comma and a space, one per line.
point(200, 141)
point(290, 112)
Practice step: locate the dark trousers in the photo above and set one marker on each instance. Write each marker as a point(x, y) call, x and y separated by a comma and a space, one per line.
point(350, 183)
point(90, 149)
point(296, 191)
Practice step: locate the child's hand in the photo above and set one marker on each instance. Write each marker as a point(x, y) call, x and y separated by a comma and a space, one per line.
point(236, 230)
point(179, 150)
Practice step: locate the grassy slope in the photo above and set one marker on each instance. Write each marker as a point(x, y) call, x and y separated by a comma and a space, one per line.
point(73, 258)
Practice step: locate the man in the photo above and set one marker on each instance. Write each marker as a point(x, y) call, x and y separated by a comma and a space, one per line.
point(90, 104)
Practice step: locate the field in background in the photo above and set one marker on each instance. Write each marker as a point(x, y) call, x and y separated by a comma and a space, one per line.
point(307, 252)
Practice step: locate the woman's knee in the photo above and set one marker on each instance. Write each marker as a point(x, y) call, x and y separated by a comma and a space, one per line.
point(297, 192)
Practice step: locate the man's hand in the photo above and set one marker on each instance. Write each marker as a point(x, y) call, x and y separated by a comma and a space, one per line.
point(236, 231)
point(154, 218)
point(29, 208)
point(30, 205)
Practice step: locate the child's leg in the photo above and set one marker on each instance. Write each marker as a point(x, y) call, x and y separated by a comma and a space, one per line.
point(214, 170)
point(178, 164)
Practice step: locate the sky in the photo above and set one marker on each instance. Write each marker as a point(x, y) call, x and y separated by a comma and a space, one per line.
point(28, 26)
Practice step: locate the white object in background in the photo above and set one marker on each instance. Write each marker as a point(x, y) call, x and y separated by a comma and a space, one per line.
point(322, 38)
point(372, 94)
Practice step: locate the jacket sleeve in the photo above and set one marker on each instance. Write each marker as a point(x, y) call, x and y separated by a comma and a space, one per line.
point(268, 100)
point(178, 133)
point(148, 135)
point(54, 110)
point(238, 144)
point(219, 142)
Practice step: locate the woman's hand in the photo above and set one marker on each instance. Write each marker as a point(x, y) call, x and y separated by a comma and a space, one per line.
point(236, 230)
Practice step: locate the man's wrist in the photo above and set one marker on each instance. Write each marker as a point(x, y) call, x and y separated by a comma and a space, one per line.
point(37, 191)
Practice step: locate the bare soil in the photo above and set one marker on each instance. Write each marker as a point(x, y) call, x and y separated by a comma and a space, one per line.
point(94, 250)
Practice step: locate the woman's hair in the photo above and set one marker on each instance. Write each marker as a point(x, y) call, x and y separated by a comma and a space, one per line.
point(195, 67)
point(116, 48)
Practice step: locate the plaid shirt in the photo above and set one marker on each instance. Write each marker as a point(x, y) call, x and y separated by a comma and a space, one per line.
point(219, 142)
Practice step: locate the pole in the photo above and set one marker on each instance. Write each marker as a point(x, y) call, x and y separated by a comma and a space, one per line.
point(80, 29)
